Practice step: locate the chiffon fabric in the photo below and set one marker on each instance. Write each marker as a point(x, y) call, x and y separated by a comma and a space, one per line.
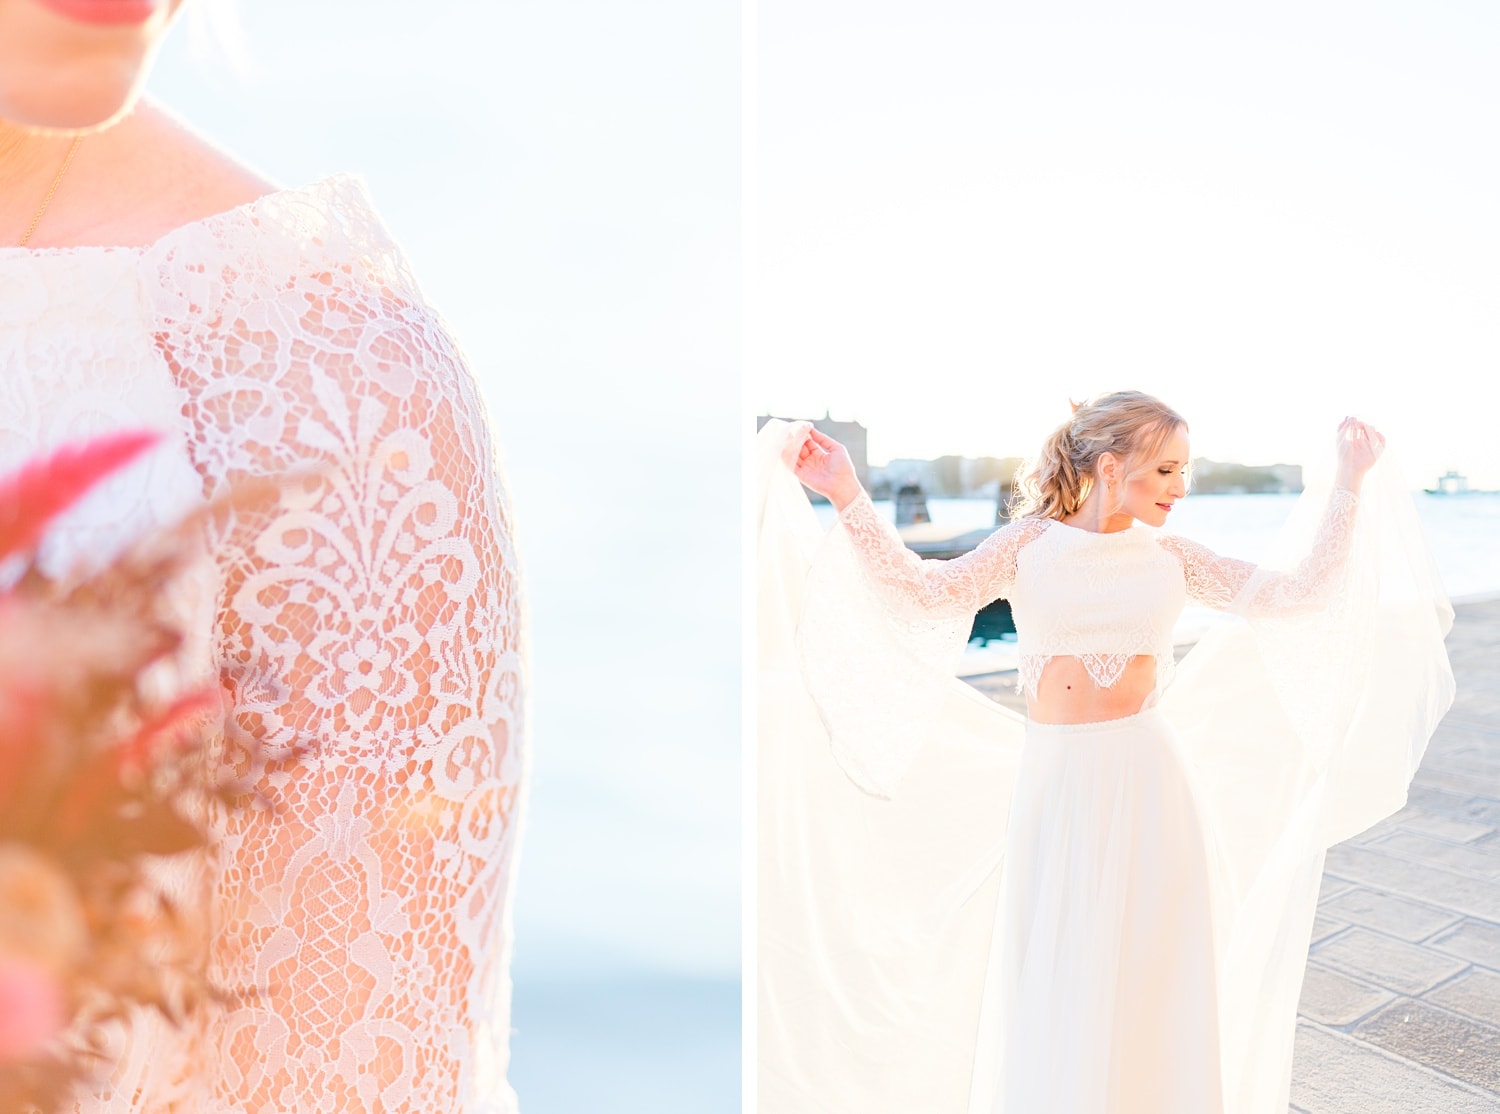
point(963, 911)
point(368, 631)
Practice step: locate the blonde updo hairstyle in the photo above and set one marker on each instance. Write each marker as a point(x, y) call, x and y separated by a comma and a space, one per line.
point(1130, 424)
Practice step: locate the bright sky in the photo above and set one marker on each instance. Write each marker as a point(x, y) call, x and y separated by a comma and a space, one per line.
point(1270, 215)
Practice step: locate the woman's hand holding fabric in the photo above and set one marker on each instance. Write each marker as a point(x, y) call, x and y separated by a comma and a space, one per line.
point(1359, 446)
point(824, 465)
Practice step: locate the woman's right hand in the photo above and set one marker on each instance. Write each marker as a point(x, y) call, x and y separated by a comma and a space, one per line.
point(1359, 446)
point(824, 465)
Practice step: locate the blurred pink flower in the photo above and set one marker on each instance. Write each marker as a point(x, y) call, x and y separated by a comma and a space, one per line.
point(41, 918)
point(33, 1009)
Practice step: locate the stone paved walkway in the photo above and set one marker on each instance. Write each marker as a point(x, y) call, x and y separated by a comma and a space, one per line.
point(1400, 1006)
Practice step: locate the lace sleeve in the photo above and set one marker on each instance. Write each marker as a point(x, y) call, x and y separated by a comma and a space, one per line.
point(933, 588)
point(370, 636)
point(1223, 582)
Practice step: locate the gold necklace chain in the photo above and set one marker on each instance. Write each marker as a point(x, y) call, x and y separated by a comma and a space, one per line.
point(67, 162)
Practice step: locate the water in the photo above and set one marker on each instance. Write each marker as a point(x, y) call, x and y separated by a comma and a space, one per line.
point(584, 1047)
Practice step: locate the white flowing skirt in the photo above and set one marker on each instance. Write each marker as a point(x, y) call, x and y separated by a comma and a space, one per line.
point(1104, 954)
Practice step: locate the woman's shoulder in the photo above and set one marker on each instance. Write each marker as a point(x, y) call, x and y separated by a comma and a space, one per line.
point(144, 178)
point(1020, 532)
point(192, 178)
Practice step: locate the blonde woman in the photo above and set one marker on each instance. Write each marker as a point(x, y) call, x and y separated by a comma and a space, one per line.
point(1102, 908)
point(369, 632)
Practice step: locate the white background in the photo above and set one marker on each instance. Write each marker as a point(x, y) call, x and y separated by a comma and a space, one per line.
point(1268, 214)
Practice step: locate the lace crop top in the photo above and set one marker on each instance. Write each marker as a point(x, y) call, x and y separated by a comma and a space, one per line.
point(1100, 598)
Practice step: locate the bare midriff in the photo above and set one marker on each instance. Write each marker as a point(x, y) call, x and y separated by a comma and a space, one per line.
point(1067, 694)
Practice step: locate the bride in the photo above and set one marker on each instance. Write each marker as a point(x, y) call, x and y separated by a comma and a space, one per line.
point(368, 631)
point(1103, 908)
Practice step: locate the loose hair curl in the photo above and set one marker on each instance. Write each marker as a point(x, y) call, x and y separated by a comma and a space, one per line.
point(1129, 424)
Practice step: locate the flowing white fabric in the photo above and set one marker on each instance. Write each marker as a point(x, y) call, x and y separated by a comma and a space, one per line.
point(963, 912)
point(372, 623)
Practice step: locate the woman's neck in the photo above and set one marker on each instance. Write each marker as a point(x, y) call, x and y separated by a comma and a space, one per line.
point(130, 183)
point(29, 161)
point(1092, 515)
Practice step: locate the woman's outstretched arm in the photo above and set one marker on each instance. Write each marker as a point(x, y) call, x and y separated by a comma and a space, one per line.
point(938, 589)
point(1220, 582)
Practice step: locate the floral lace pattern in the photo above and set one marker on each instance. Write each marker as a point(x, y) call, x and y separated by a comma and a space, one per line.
point(1101, 599)
point(369, 631)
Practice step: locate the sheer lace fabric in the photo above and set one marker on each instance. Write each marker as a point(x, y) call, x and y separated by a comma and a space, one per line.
point(369, 631)
point(1101, 599)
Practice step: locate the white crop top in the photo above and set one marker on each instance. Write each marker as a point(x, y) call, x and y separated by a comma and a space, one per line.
point(1100, 598)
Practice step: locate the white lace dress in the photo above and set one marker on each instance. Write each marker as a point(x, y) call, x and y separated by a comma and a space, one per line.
point(961, 910)
point(373, 620)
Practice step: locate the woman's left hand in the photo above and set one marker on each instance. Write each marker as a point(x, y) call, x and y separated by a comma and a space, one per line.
point(1359, 446)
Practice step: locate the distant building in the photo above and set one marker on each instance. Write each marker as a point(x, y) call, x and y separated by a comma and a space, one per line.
point(951, 477)
point(1213, 477)
point(1451, 483)
point(852, 435)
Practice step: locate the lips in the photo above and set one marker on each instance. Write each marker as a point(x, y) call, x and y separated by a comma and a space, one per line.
point(105, 12)
point(1165, 506)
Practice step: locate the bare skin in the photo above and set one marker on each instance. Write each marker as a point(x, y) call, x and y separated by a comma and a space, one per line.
point(1124, 492)
point(128, 185)
point(138, 172)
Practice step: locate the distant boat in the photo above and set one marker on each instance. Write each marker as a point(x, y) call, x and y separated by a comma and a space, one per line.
point(1455, 483)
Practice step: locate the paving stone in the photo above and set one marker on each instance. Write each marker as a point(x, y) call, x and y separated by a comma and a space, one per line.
point(1439, 778)
point(1462, 747)
point(1324, 927)
point(1480, 861)
point(1445, 827)
point(1483, 810)
point(1388, 913)
point(1459, 1046)
point(1459, 730)
point(1383, 830)
point(1337, 1074)
point(1440, 802)
point(1458, 742)
point(1461, 805)
point(1332, 885)
point(1476, 992)
point(1476, 941)
point(1394, 964)
point(1334, 998)
point(1463, 893)
point(1473, 771)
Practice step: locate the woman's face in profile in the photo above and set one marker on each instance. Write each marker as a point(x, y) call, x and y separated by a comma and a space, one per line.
point(73, 64)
